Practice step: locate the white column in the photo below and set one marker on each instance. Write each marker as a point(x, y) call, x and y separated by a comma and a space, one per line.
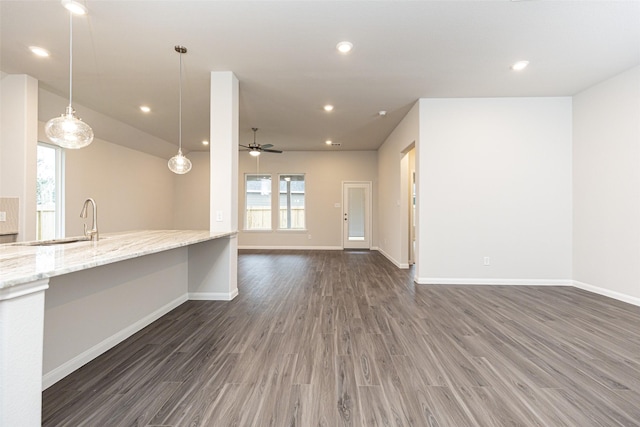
point(18, 147)
point(21, 337)
point(224, 151)
point(220, 281)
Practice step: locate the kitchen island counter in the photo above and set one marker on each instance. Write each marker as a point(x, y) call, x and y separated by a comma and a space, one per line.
point(23, 262)
point(63, 304)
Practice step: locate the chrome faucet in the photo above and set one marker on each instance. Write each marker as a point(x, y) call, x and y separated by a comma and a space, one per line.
point(93, 233)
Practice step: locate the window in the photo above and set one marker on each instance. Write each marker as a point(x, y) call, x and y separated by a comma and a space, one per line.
point(258, 202)
point(291, 202)
point(49, 218)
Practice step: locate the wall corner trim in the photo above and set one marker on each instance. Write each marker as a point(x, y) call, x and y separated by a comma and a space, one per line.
point(398, 264)
point(292, 248)
point(477, 281)
point(607, 293)
point(213, 296)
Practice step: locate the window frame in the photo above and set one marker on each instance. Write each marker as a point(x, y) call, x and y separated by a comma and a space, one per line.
point(59, 190)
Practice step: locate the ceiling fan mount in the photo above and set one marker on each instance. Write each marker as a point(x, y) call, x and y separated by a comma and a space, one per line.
point(255, 149)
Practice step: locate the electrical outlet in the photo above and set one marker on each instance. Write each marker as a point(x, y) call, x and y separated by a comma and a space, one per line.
point(487, 261)
point(309, 236)
point(3, 216)
point(219, 216)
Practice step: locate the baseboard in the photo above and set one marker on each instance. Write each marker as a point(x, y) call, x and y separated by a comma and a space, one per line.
point(293, 248)
point(530, 282)
point(474, 281)
point(398, 264)
point(606, 292)
point(55, 375)
point(213, 296)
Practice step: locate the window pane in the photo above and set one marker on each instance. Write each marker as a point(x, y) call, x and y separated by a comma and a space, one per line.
point(258, 202)
point(291, 201)
point(47, 192)
point(356, 197)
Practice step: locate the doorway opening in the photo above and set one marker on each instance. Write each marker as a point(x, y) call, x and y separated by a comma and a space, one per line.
point(408, 219)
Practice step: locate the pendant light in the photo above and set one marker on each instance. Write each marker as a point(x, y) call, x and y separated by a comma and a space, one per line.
point(179, 163)
point(69, 131)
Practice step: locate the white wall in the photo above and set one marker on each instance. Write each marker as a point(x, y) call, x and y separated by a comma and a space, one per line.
point(191, 195)
point(133, 190)
point(606, 192)
point(324, 174)
point(393, 213)
point(494, 181)
point(18, 147)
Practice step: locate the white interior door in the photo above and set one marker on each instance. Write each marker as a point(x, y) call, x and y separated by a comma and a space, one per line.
point(356, 215)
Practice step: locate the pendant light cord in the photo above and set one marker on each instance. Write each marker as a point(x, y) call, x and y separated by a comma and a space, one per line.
point(180, 110)
point(70, 57)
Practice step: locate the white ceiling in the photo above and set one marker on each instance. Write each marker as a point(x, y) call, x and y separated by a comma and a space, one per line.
point(284, 55)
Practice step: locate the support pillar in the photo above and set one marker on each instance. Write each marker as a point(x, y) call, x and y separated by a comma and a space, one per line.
point(21, 344)
point(224, 184)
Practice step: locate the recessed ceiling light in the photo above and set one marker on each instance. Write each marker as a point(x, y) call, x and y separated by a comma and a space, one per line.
point(328, 108)
point(74, 7)
point(39, 51)
point(382, 113)
point(344, 47)
point(328, 142)
point(145, 109)
point(520, 65)
point(205, 142)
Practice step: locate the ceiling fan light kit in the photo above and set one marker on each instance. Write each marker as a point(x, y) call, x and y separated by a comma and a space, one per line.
point(74, 7)
point(255, 149)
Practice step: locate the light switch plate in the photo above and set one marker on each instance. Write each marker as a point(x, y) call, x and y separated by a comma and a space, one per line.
point(3, 216)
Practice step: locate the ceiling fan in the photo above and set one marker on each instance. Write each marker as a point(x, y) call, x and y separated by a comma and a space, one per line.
point(255, 149)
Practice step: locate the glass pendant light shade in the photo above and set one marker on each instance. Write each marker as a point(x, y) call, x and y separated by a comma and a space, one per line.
point(179, 164)
point(69, 131)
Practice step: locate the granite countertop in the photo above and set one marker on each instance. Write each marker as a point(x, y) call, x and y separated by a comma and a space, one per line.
point(21, 263)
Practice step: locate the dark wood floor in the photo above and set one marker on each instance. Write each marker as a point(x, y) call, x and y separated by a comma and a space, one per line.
point(334, 338)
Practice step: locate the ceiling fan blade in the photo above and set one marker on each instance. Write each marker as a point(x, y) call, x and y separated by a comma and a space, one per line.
point(243, 146)
point(266, 150)
point(267, 146)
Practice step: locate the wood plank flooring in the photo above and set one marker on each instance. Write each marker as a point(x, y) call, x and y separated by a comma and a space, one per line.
point(331, 338)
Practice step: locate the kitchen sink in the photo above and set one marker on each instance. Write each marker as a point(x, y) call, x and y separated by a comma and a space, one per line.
point(51, 242)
